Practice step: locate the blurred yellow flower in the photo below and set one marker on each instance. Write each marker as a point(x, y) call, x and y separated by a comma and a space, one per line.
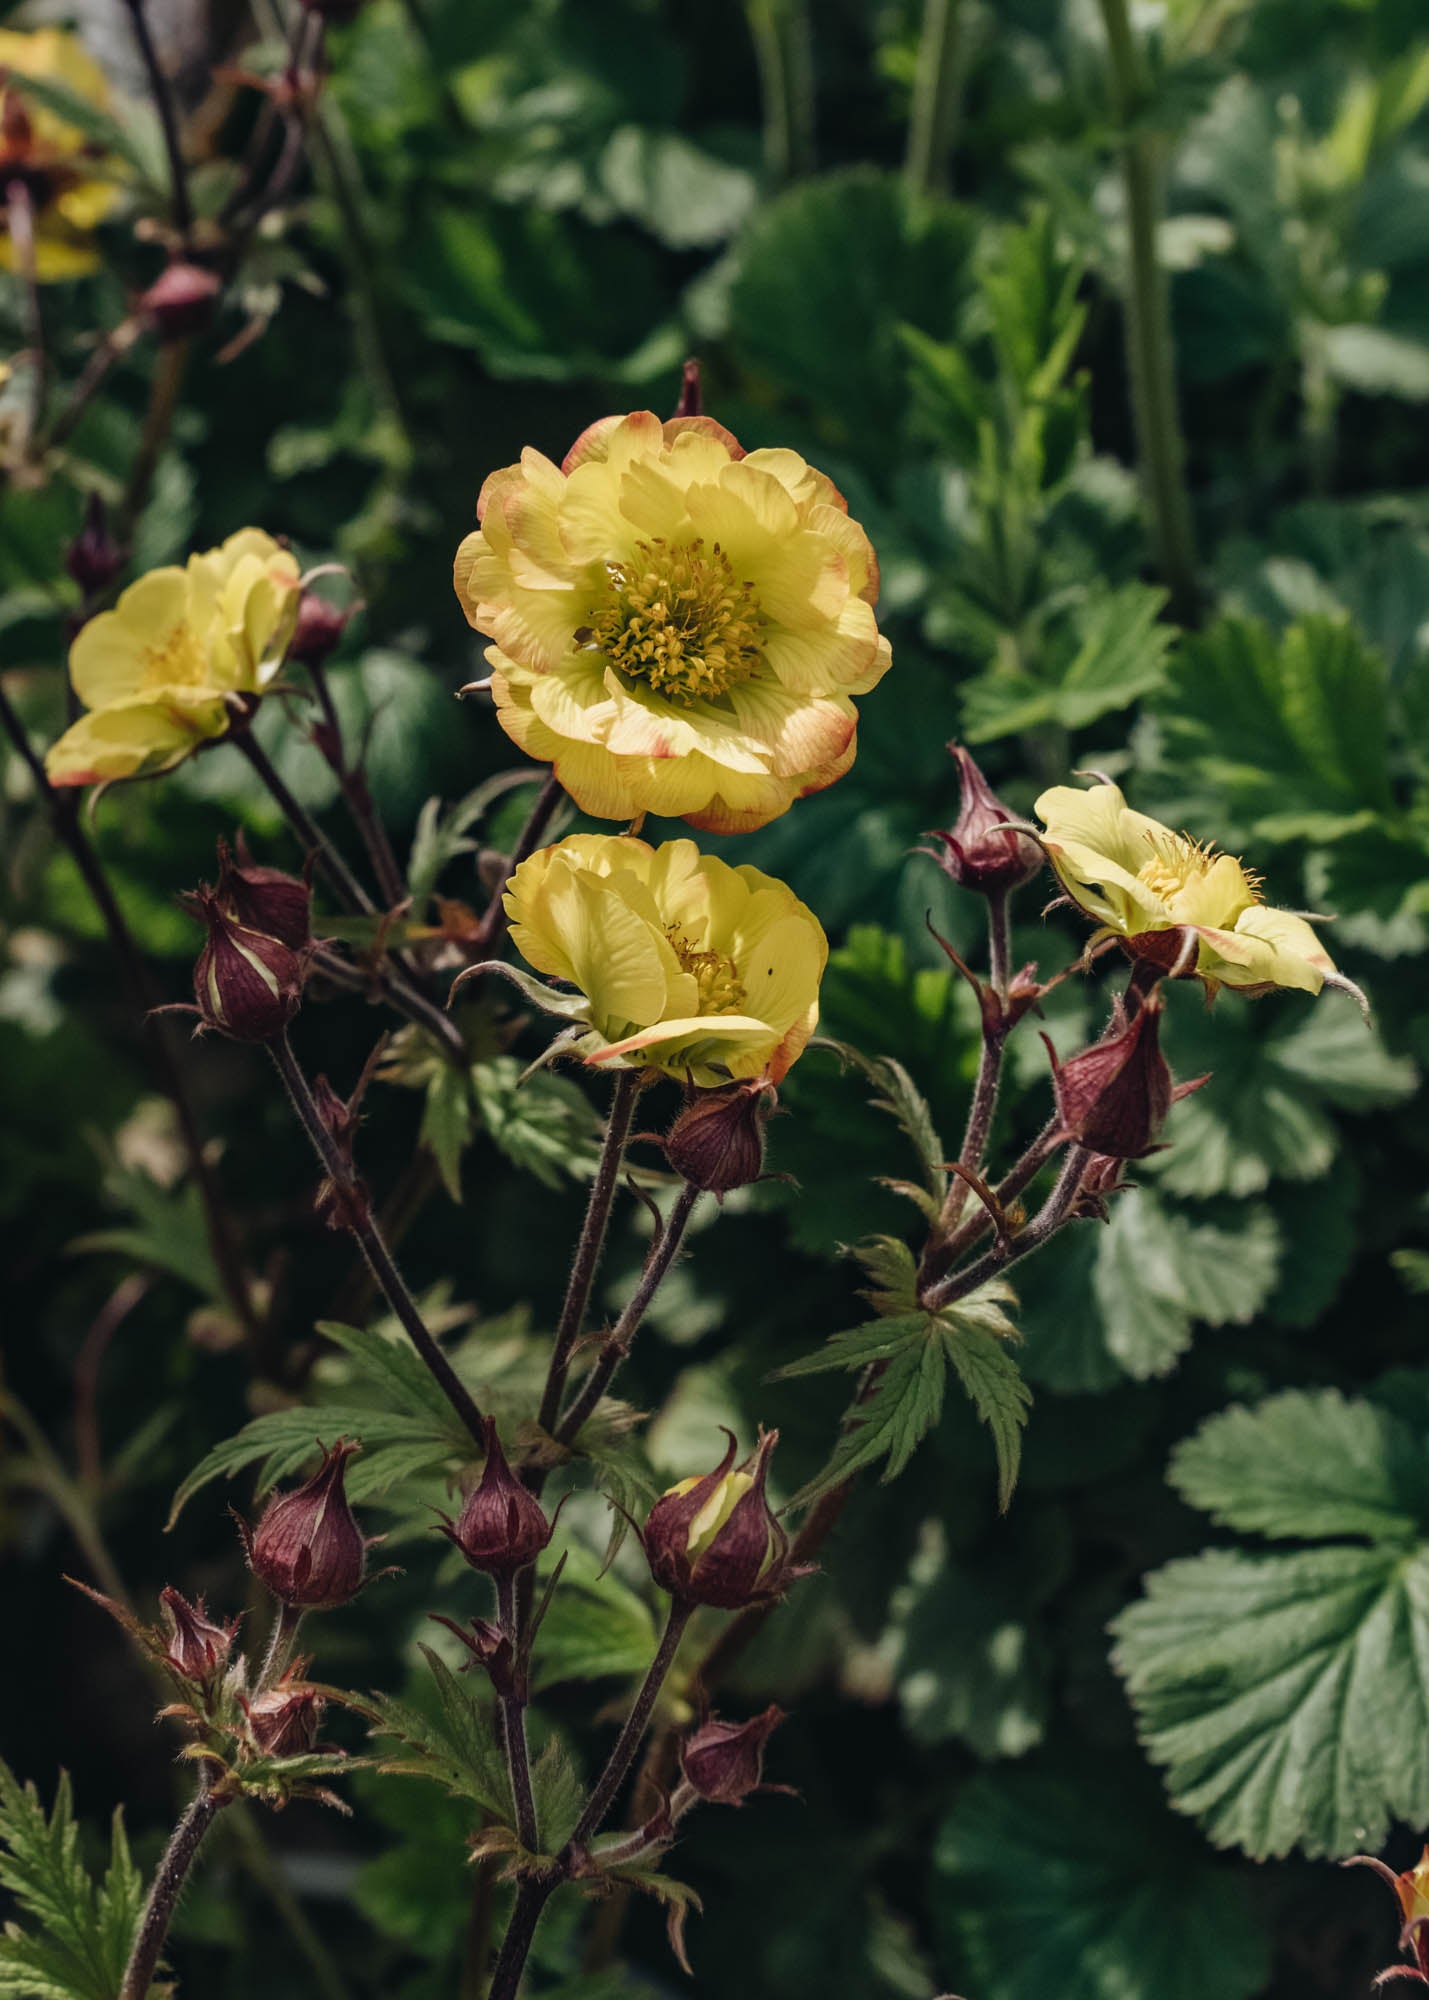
point(156, 671)
point(678, 625)
point(1142, 881)
point(68, 182)
point(686, 964)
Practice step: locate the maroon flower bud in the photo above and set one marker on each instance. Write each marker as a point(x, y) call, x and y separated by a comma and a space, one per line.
point(724, 1761)
point(714, 1540)
point(308, 1548)
point(1114, 1096)
point(717, 1142)
point(198, 1649)
point(285, 1721)
point(94, 558)
point(489, 1647)
point(319, 629)
point(247, 984)
point(980, 850)
point(264, 899)
point(182, 301)
point(502, 1527)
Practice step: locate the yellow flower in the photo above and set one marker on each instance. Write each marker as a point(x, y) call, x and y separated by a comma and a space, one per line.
point(1412, 1888)
point(156, 671)
point(678, 625)
point(686, 964)
point(51, 158)
point(1143, 881)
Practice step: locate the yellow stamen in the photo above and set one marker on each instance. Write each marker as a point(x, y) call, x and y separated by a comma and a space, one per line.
point(178, 660)
point(1177, 859)
point(717, 977)
point(678, 620)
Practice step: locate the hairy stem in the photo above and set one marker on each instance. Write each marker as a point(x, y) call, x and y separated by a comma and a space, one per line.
point(636, 1723)
point(936, 1260)
point(281, 1641)
point(184, 1844)
point(617, 1343)
point(513, 1721)
point(590, 1244)
point(531, 1899)
point(1150, 353)
point(1044, 1225)
point(360, 1221)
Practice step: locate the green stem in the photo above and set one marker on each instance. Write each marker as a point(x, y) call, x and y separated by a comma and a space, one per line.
point(783, 51)
point(937, 96)
point(1150, 352)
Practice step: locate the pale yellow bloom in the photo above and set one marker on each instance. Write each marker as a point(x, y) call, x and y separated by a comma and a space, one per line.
point(686, 964)
point(157, 671)
point(1140, 881)
point(678, 625)
point(70, 190)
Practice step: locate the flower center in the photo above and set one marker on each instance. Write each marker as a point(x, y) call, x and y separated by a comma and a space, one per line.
point(178, 660)
point(1179, 864)
point(678, 619)
point(717, 977)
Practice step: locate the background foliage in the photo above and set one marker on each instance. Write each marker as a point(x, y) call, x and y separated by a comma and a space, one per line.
point(1102, 1746)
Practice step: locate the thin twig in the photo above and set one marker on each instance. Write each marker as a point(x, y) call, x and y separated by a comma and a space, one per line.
point(591, 1243)
point(168, 117)
point(628, 1742)
point(360, 1221)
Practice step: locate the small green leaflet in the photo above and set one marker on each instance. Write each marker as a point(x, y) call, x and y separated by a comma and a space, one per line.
point(1283, 1692)
point(1113, 652)
point(912, 1354)
point(449, 1738)
point(84, 1928)
point(391, 1405)
point(595, 1627)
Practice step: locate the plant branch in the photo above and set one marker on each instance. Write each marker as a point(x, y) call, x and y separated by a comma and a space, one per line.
point(1047, 1221)
point(358, 1218)
point(168, 117)
point(513, 1720)
point(617, 1343)
point(636, 1723)
point(184, 1844)
point(590, 1244)
point(531, 1899)
point(936, 1259)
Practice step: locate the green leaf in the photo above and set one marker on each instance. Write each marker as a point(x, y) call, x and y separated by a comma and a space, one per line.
point(596, 1626)
point(911, 1355)
point(1291, 733)
point(899, 1096)
point(558, 1793)
point(1068, 1877)
point(969, 1665)
point(1115, 653)
point(1284, 1695)
point(442, 835)
point(84, 1928)
point(680, 193)
point(833, 268)
point(1158, 1272)
point(1307, 1465)
point(448, 1120)
point(1273, 1071)
point(1378, 362)
point(449, 1738)
point(547, 1126)
point(390, 1404)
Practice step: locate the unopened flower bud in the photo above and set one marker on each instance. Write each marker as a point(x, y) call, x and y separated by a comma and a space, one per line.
point(502, 1527)
point(319, 629)
point(1114, 1096)
point(717, 1142)
point(198, 1649)
point(182, 301)
point(308, 1548)
point(247, 984)
point(980, 850)
point(724, 1761)
point(714, 1540)
point(94, 558)
point(285, 1721)
point(264, 899)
